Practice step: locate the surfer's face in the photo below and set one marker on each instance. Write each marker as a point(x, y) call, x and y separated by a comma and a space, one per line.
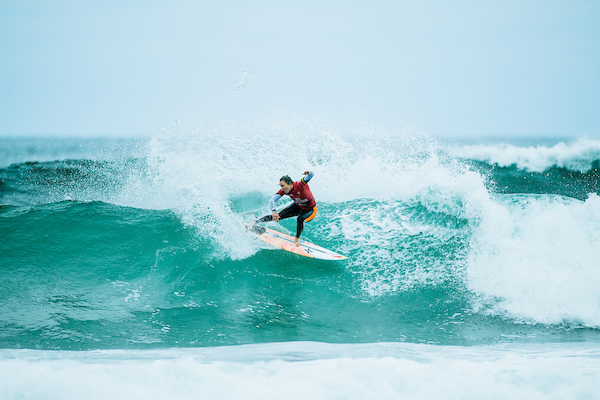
point(286, 187)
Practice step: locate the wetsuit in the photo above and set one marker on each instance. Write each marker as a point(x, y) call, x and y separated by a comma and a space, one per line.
point(304, 205)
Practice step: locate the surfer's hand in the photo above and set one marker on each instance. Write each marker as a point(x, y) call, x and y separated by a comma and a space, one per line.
point(306, 173)
point(276, 216)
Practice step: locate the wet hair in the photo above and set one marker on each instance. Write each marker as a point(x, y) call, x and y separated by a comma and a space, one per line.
point(286, 179)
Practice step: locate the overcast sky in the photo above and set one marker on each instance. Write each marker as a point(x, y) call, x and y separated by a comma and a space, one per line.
point(449, 68)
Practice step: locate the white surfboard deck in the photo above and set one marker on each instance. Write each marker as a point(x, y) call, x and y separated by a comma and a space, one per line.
point(306, 249)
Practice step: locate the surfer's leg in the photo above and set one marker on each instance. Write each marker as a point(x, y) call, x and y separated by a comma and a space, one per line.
point(290, 211)
point(266, 218)
point(259, 229)
point(305, 216)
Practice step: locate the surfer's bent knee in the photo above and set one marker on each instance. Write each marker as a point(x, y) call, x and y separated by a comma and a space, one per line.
point(302, 219)
point(313, 215)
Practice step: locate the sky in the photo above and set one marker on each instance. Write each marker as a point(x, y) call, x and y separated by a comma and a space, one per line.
point(446, 68)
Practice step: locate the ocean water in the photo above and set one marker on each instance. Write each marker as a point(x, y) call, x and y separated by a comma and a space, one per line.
point(126, 272)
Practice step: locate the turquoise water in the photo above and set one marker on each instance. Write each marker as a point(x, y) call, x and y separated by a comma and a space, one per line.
point(121, 245)
point(127, 252)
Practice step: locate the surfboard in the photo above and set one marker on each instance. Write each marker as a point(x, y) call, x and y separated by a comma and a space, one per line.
point(286, 242)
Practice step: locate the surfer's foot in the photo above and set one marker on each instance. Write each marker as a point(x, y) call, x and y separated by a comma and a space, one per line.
point(297, 240)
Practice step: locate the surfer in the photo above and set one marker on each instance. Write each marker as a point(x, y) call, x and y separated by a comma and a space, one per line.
point(304, 205)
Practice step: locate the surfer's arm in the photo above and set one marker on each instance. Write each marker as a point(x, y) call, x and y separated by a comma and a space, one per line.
point(273, 200)
point(275, 197)
point(308, 177)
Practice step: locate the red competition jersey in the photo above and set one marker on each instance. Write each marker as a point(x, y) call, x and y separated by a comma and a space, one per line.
point(301, 195)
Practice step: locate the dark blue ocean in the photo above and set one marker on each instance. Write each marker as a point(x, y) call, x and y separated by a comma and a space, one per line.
point(476, 262)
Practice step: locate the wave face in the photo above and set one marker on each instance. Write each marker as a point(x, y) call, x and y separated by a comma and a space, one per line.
point(142, 244)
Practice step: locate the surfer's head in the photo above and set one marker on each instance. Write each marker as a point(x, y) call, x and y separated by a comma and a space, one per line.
point(287, 184)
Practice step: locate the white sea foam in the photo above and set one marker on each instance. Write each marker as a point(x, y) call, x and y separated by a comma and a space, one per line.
point(579, 155)
point(537, 258)
point(393, 235)
point(306, 370)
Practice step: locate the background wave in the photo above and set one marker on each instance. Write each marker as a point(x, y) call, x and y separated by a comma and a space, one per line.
point(581, 155)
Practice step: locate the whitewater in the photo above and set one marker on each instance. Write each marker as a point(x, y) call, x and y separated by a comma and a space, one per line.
point(126, 270)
